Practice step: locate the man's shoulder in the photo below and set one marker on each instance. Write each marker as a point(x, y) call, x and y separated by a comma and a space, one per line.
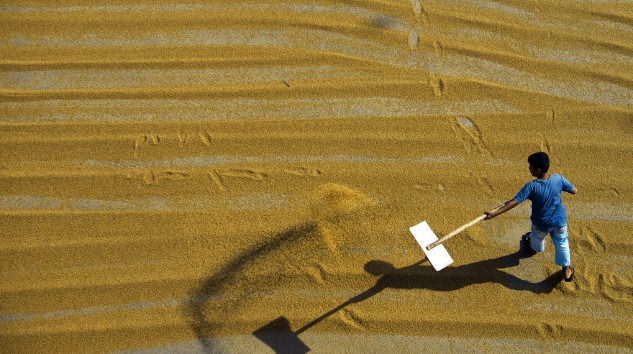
point(529, 183)
point(557, 177)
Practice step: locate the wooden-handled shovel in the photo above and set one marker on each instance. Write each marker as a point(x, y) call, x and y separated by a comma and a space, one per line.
point(432, 247)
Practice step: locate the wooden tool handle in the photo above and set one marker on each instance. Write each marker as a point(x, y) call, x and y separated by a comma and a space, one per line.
point(458, 230)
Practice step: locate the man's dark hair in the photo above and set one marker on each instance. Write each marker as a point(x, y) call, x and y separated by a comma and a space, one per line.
point(539, 160)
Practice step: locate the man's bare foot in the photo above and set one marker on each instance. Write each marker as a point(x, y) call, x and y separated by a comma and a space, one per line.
point(569, 273)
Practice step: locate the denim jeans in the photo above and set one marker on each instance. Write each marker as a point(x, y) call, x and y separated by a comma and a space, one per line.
point(559, 237)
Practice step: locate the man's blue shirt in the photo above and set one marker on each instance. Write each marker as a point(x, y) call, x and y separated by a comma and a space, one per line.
point(547, 207)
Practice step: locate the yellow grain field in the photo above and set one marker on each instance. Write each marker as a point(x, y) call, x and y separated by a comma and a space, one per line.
point(241, 176)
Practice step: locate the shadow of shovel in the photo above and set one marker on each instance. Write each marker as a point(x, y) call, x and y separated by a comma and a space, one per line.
point(278, 335)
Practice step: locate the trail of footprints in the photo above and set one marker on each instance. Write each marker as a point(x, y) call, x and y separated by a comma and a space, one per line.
point(438, 85)
point(153, 139)
point(218, 177)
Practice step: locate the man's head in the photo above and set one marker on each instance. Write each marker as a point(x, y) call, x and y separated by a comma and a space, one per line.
point(539, 164)
point(378, 268)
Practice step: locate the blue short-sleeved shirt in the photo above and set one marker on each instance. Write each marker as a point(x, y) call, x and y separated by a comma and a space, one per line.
point(547, 207)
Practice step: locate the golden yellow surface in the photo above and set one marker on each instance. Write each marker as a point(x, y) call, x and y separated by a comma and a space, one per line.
point(180, 177)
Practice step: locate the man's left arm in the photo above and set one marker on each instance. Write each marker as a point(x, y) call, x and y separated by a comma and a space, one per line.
point(507, 206)
point(568, 186)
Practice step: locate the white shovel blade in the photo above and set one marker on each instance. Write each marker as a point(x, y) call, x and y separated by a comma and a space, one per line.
point(438, 255)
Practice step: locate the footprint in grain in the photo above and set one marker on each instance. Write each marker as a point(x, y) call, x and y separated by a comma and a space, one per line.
point(156, 177)
point(438, 86)
point(205, 137)
point(471, 136)
point(610, 285)
point(549, 331)
point(589, 239)
point(420, 11)
point(615, 288)
point(250, 174)
point(151, 139)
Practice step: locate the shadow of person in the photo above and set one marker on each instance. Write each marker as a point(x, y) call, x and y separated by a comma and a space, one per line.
point(279, 336)
point(417, 276)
